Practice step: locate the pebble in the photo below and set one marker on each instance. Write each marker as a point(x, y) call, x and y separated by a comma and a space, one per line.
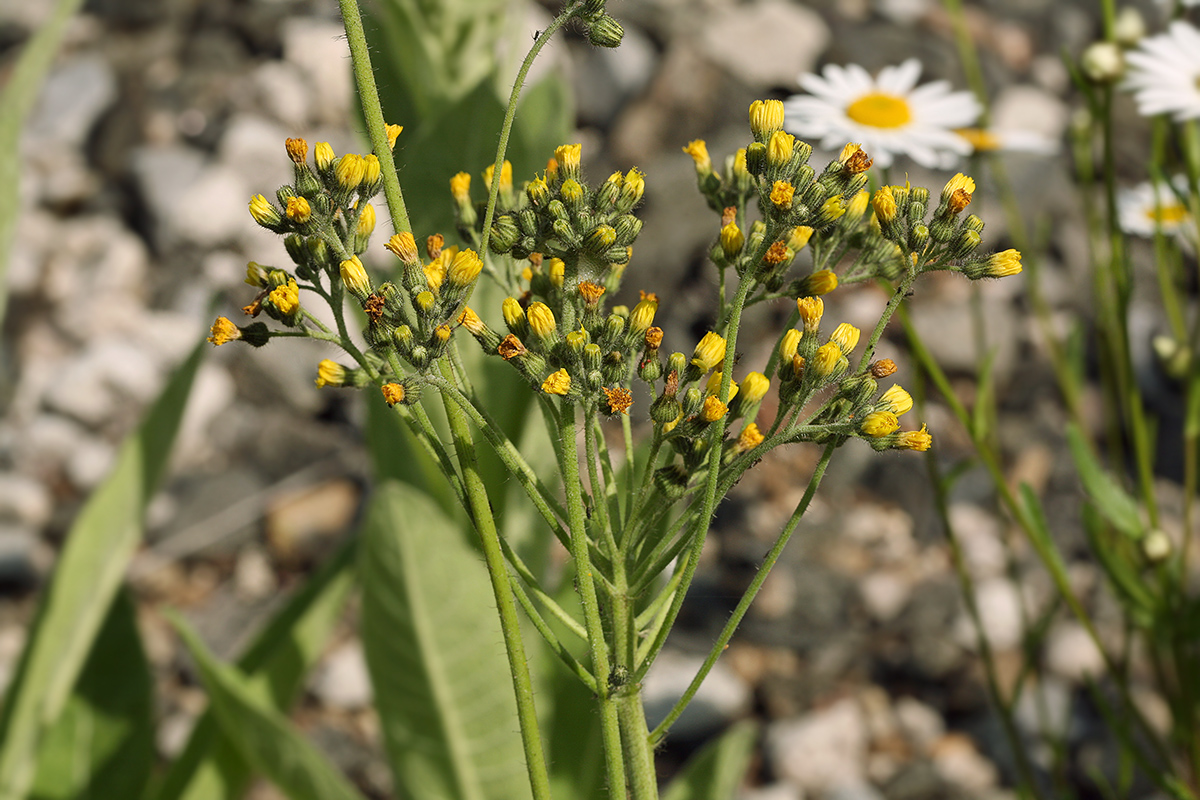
point(773, 791)
point(921, 724)
point(222, 192)
point(999, 604)
point(90, 462)
point(341, 680)
point(73, 97)
point(1071, 653)
point(302, 524)
point(885, 594)
point(253, 148)
point(788, 40)
point(822, 750)
point(280, 89)
point(253, 576)
point(318, 48)
point(18, 556)
point(723, 697)
point(24, 500)
point(960, 763)
point(979, 536)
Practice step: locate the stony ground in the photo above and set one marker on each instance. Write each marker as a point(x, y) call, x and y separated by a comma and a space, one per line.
point(160, 119)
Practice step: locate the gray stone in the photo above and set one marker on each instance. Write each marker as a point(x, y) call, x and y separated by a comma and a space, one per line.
point(318, 48)
point(721, 699)
point(979, 535)
point(282, 92)
point(18, 555)
point(960, 764)
point(252, 574)
point(253, 148)
point(823, 750)
point(73, 97)
point(858, 790)
point(90, 463)
point(999, 603)
point(1071, 653)
point(341, 680)
point(1028, 108)
point(885, 594)
point(164, 175)
point(212, 210)
point(921, 724)
point(607, 78)
point(24, 500)
point(788, 40)
point(213, 393)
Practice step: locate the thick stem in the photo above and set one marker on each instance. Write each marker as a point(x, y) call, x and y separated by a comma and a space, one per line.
point(510, 624)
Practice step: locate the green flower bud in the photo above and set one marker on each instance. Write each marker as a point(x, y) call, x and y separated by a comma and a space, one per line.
point(606, 32)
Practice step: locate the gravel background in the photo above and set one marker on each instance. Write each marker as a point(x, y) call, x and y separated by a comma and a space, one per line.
point(159, 121)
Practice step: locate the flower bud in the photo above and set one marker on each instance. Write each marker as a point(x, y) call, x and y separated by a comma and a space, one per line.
point(558, 383)
point(323, 156)
point(788, 344)
point(605, 32)
point(779, 149)
point(541, 320)
point(350, 170)
point(393, 133)
point(1103, 62)
point(732, 241)
point(264, 213)
point(355, 277)
point(754, 388)
point(632, 190)
point(642, 316)
point(464, 269)
point(371, 174)
point(766, 117)
point(845, 336)
point(879, 423)
point(709, 352)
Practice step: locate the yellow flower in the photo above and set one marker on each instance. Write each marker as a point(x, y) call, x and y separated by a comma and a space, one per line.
point(780, 148)
point(781, 194)
point(425, 301)
point(366, 221)
point(959, 181)
point(879, 423)
point(286, 298)
point(914, 440)
point(896, 400)
point(713, 386)
point(465, 268)
point(224, 331)
point(404, 247)
point(514, 316)
point(823, 281)
point(749, 438)
point(297, 150)
point(568, 157)
point(256, 275)
point(766, 116)
point(350, 170)
point(754, 388)
point(541, 319)
point(811, 310)
point(827, 359)
point(571, 192)
point(833, 208)
point(884, 204)
point(263, 212)
point(442, 333)
point(392, 393)
point(713, 409)
point(558, 383)
point(618, 400)
point(789, 343)
point(471, 321)
point(798, 238)
point(323, 155)
point(642, 316)
point(354, 275)
point(633, 188)
point(845, 336)
point(371, 169)
point(460, 188)
point(557, 271)
point(741, 172)
point(698, 150)
point(393, 133)
point(856, 207)
point(1002, 265)
point(330, 373)
point(709, 352)
point(299, 210)
point(732, 240)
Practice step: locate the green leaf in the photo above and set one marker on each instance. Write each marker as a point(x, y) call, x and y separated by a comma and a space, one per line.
point(102, 745)
point(396, 453)
point(435, 653)
point(89, 573)
point(715, 772)
point(210, 768)
point(1112, 501)
point(20, 91)
point(262, 735)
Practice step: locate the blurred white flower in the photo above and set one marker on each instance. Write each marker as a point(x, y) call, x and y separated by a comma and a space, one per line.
point(1146, 208)
point(888, 115)
point(987, 140)
point(1164, 73)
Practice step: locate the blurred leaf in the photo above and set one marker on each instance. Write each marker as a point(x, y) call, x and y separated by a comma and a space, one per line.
point(102, 745)
point(16, 101)
point(983, 415)
point(715, 772)
point(89, 573)
point(262, 735)
point(210, 768)
point(1113, 503)
point(1116, 557)
point(435, 653)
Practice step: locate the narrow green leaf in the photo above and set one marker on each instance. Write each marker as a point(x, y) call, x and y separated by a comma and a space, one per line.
point(16, 101)
point(715, 772)
point(435, 653)
point(262, 735)
point(103, 743)
point(983, 414)
point(1112, 501)
point(210, 768)
point(89, 572)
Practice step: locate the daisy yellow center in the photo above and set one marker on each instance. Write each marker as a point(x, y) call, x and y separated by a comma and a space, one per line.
point(880, 110)
point(1171, 214)
point(979, 139)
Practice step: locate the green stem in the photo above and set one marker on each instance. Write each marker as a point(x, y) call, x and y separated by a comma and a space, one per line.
point(639, 754)
point(747, 597)
point(581, 552)
point(510, 623)
point(368, 96)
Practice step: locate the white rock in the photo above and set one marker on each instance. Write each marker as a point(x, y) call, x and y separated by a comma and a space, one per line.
point(958, 761)
point(318, 48)
point(90, 462)
point(722, 698)
point(39, 231)
point(1071, 653)
point(999, 604)
point(253, 575)
point(72, 99)
point(213, 392)
point(857, 790)
point(773, 791)
point(888, 532)
point(822, 750)
point(979, 535)
point(1044, 708)
point(24, 500)
point(212, 211)
point(47, 442)
point(165, 174)
point(903, 12)
point(787, 38)
point(174, 732)
point(253, 148)
point(342, 681)
point(885, 594)
point(921, 724)
point(282, 92)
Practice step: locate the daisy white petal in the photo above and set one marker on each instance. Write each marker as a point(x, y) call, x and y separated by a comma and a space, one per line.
point(1164, 73)
point(1147, 208)
point(890, 115)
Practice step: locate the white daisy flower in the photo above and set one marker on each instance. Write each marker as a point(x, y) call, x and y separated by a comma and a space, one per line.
point(888, 115)
point(1006, 140)
point(1164, 73)
point(1146, 208)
